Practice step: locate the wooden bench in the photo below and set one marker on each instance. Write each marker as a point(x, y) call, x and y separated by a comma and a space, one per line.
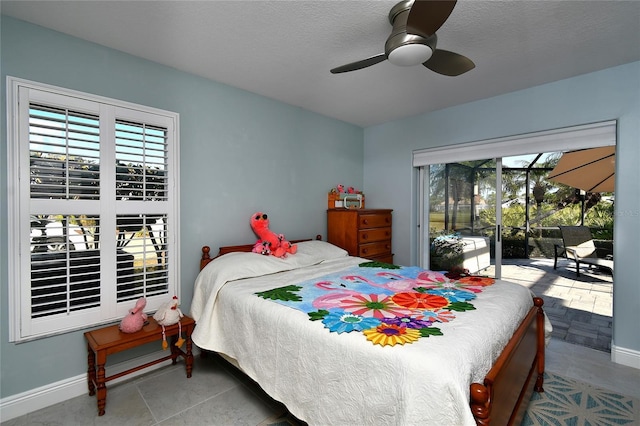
point(110, 340)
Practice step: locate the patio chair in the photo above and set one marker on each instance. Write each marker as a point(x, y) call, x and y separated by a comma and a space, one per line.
point(579, 247)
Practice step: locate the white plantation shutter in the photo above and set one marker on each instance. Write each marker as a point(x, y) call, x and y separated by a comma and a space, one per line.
point(141, 161)
point(63, 280)
point(142, 191)
point(95, 209)
point(144, 236)
point(64, 148)
point(64, 154)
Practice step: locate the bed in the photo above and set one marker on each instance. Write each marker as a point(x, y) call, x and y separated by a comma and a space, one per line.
point(470, 365)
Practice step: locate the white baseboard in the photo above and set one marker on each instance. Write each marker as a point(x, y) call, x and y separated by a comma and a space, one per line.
point(54, 393)
point(625, 356)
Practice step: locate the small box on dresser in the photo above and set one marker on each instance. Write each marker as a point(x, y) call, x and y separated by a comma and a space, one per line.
point(362, 232)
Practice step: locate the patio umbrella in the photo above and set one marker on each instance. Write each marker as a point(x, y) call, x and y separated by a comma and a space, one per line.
point(591, 170)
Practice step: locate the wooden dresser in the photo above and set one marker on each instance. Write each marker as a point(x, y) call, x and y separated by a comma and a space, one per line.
point(362, 232)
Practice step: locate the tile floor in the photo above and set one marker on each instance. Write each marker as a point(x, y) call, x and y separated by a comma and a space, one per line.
point(217, 394)
point(579, 308)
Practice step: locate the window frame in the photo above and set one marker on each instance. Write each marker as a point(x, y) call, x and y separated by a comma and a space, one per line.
point(110, 110)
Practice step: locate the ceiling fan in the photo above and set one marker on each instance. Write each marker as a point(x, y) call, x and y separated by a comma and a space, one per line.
point(413, 39)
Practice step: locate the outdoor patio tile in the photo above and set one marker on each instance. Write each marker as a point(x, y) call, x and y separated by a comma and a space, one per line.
point(561, 283)
point(581, 340)
point(579, 308)
point(582, 285)
point(590, 335)
point(586, 302)
point(605, 311)
point(583, 329)
point(582, 305)
point(604, 289)
point(559, 324)
point(603, 342)
point(555, 311)
point(604, 299)
point(600, 321)
point(559, 334)
point(561, 294)
point(578, 315)
point(605, 331)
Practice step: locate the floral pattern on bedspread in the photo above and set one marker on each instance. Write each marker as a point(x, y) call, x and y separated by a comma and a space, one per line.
point(388, 304)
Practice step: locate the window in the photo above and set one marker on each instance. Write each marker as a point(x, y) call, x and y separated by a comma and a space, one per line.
point(93, 210)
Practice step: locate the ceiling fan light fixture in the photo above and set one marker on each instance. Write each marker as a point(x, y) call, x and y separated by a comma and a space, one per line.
point(410, 54)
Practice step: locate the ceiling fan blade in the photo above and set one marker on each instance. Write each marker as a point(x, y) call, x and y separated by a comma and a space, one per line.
point(427, 16)
point(358, 65)
point(449, 63)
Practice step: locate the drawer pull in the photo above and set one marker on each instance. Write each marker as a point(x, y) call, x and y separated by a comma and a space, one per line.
point(365, 221)
point(365, 236)
point(364, 251)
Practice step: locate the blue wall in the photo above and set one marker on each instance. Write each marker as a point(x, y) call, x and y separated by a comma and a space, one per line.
point(240, 153)
point(606, 95)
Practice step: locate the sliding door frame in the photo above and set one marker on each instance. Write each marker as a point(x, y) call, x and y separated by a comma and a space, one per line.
point(584, 136)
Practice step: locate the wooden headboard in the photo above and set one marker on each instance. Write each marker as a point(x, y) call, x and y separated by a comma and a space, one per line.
point(206, 250)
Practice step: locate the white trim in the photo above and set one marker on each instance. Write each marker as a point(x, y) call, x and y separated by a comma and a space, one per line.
point(55, 393)
point(624, 356)
point(19, 93)
point(13, 209)
point(20, 82)
point(497, 258)
point(576, 137)
point(423, 206)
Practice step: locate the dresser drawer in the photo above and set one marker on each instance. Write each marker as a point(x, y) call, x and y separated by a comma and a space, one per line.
point(374, 220)
point(386, 258)
point(374, 234)
point(374, 249)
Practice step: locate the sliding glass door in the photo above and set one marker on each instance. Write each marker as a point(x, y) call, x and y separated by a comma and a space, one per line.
point(457, 192)
point(460, 208)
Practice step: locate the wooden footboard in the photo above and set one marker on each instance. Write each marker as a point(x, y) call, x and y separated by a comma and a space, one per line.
point(503, 397)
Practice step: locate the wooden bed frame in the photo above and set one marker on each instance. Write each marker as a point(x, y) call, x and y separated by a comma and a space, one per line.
point(503, 397)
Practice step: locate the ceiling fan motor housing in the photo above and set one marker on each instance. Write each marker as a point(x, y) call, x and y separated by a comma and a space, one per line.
point(406, 49)
point(413, 40)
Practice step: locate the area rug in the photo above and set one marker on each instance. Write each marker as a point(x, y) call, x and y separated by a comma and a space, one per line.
point(569, 402)
point(564, 402)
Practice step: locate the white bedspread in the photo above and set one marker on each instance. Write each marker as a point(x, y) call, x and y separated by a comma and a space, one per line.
point(328, 378)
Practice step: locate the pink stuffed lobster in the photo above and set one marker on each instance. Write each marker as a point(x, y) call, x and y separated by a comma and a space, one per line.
point(276, 244)
point(134, 321)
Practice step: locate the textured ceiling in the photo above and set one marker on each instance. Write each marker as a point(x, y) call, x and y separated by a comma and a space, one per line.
point(285, 49)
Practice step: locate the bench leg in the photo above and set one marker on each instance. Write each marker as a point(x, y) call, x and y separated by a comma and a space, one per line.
point(189, 357)
point(175, 351)
point(100, 382)
point(91, 372)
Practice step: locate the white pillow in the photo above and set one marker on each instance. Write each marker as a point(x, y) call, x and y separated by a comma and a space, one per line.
point(240, 265)
point(316, 251)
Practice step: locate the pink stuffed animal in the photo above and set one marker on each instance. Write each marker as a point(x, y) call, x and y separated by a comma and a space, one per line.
point(278, 245)
point(262, 247)
point(134, 321)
